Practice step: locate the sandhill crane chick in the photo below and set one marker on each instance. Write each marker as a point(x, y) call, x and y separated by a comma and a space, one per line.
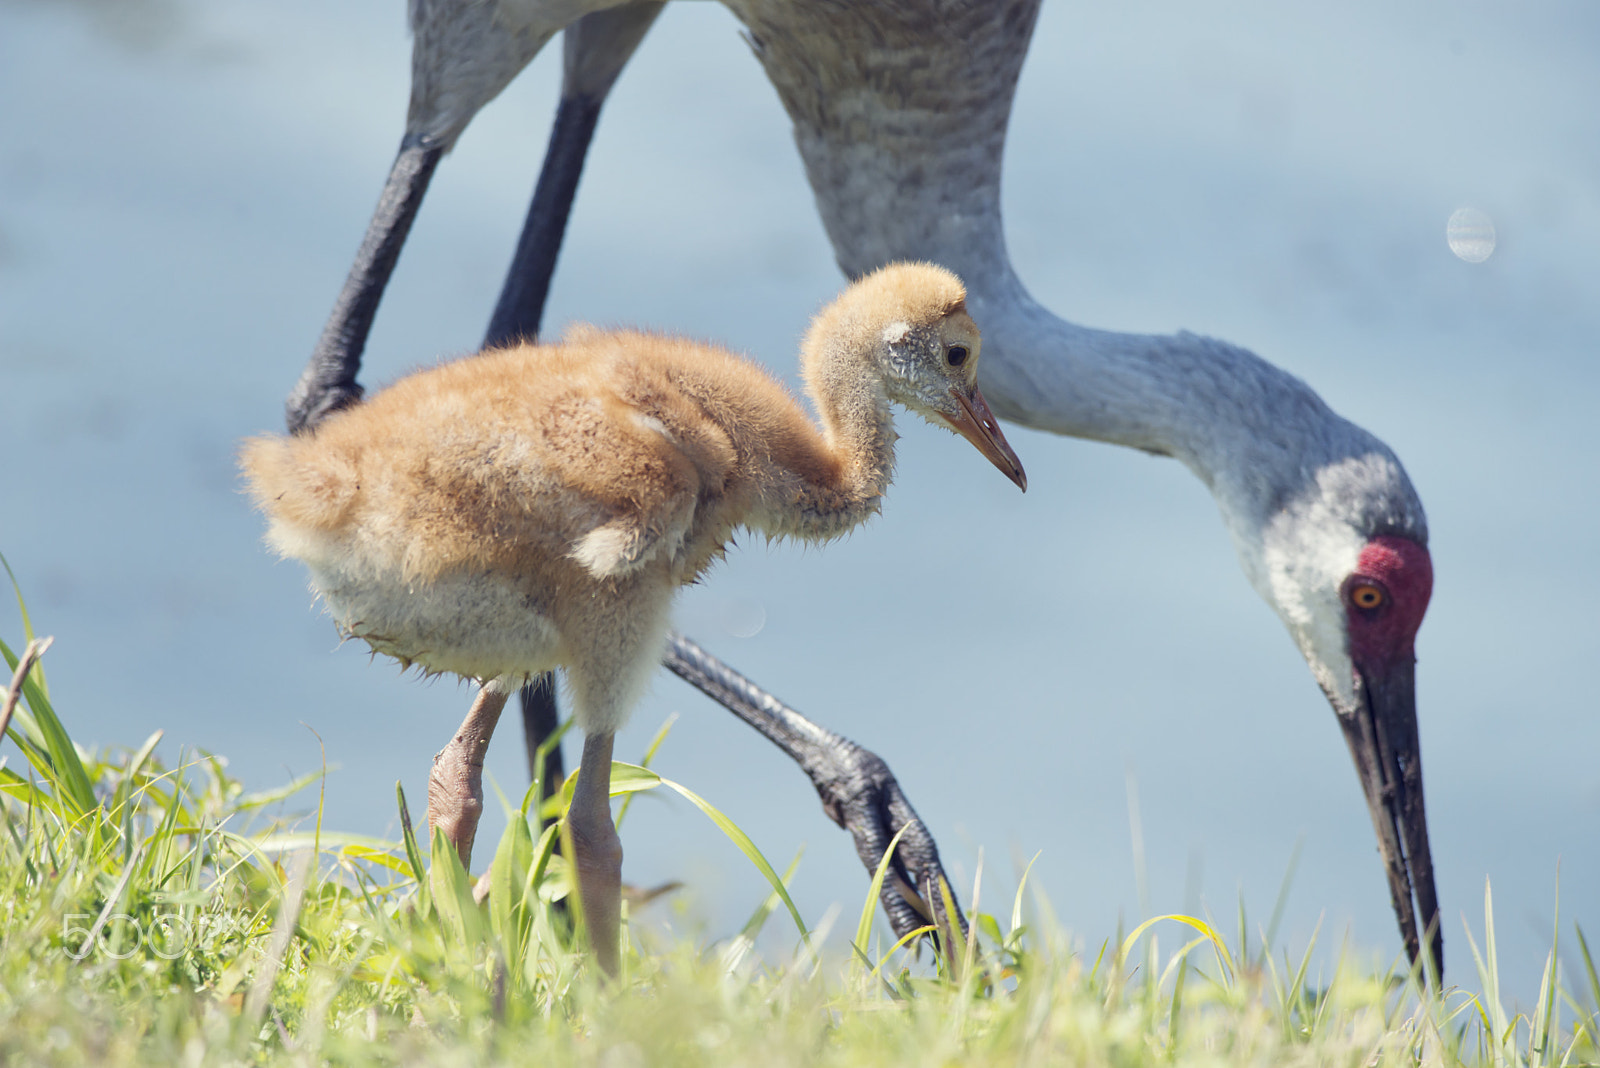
point(536, 506)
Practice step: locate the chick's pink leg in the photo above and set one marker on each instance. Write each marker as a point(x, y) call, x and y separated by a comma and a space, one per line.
point(455, 785)
point(598, 850)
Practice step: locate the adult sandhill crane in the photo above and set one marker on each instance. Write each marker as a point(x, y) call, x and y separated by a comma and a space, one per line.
point(533, 506)
point(900, 110)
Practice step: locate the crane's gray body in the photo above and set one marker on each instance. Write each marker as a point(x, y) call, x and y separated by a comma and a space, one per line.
point(900, 110)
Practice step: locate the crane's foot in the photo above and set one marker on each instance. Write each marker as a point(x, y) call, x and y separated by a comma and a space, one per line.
point(860, 794)
point(597, 851)
point(455, 785)
point(858, 790)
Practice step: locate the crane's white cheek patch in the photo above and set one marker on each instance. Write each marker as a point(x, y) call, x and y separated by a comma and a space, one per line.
point(896, 332)
point(1325, 645)
point(1304, 572)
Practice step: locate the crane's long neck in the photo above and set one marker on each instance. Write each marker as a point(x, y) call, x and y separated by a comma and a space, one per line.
point(900, 110)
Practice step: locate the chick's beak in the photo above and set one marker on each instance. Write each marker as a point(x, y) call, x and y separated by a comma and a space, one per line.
point(977, 424)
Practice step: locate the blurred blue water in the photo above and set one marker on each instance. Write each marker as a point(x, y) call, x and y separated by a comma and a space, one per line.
point(181, 188)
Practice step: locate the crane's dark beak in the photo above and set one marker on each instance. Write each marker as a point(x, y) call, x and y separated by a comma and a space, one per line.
point(1382, 735)
point(977, 424)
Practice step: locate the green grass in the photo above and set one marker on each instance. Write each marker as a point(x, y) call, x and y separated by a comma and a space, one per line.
point(159, 915)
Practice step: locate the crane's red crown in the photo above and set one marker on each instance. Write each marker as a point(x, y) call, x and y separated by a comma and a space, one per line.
point(1385, 599)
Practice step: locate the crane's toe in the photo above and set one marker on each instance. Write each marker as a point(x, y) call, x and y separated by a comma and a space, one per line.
point(861, 794)
point(857, 789)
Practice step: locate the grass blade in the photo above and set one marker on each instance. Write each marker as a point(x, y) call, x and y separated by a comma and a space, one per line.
point(644, 762)
point(949, 937)
point(452, 893)
point(748, 848)
point(131, 774)
point(1016, 902)
point(66, 772)
point(263, 798)
point(1548, 1007)
point(413, 854)
point(540, 755)
point(1491, 1013)
point(512, 860)
point(291, 841)
point(115, 897)
point(625, 779)
point(870, 909)
point(27, 623)
point(745, 940)
point(969, 954)
point(1283, 895)
point(1175, 1014)
point(1588, 964)
point(369, 855)
point(30, 658)
point(1298, 986)
point(255, 1005)
point(1223, 956)
point(905, 940)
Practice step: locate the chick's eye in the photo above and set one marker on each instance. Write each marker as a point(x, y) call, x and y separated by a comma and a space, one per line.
point(957, 355)
point(1366, 597)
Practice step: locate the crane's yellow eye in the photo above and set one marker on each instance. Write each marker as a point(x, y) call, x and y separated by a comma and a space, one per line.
point(1367, 597)
point(957, 355)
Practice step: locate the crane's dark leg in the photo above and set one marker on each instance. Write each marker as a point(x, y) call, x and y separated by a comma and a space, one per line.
point(858, 791)
point(540, 718)
point(520, 309)
point(329, 381)
point(594, 50)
